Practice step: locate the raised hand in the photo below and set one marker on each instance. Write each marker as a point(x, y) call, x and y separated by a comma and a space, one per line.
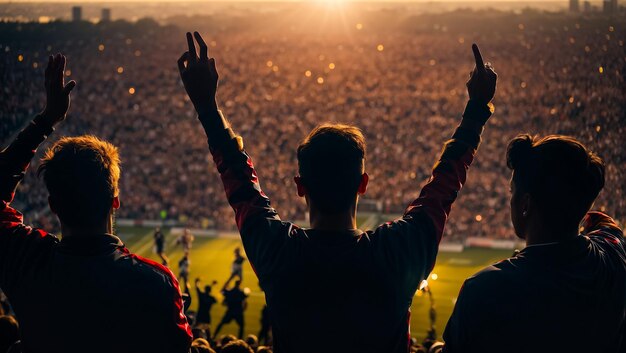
point(482, 83)
point(199, 75)
point(57, 92)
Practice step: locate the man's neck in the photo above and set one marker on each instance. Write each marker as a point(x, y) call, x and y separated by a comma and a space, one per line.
point(82, 231)
point(333, 222)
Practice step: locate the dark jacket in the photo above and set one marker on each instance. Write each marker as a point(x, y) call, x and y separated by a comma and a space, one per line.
point(344, 291)
point(560, 297)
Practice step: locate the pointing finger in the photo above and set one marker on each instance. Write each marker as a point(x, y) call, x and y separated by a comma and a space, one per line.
point(480, 65)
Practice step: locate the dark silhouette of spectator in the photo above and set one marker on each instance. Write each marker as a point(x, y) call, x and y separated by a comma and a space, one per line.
point(566, 290)
point(9, 332)
point(237, 346)
point(205, 302)
point(235, 301)
point(333, 281)
point(89, 273)
point(252, 341)
point(225, 339)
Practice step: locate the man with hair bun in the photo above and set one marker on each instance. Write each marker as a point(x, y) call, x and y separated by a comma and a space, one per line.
point(564, 292)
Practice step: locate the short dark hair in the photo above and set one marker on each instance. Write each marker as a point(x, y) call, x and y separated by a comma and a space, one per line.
point(82, 175)
point(558, 172)
point(237, 346)
point(331, 161)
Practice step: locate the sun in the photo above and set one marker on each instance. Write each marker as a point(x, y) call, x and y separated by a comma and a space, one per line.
point(331, 3)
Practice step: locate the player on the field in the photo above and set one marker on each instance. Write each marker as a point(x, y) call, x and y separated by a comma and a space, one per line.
point(159, 245)
point(235, 300)
point(236, 269)
point(205, 302)
point(333, 285)
point(183, 268)
point(186, 240)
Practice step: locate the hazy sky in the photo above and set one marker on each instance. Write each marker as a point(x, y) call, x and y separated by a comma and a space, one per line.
point(96, 1)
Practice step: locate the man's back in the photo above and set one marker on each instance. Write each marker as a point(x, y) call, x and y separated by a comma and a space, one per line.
point(563, 297)
point(343, 291)
point(85, 293)
point(90, 294)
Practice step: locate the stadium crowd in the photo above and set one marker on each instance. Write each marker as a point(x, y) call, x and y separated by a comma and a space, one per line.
point(136, 106)
point(565, 76)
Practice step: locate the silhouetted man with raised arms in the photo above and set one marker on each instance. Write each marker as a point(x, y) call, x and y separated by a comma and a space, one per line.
point(333, 287)
point(205, 302)
point(235, 301)
point(85, 292)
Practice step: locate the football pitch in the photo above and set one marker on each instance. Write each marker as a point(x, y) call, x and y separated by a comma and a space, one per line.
point(211, 259)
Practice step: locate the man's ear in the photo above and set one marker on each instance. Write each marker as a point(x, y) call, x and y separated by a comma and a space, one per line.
point(116, 203)
point(52, 205)
point(363, 185)
point(299, 186)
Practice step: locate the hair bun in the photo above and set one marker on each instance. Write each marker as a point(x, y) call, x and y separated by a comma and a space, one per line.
point(519, 151)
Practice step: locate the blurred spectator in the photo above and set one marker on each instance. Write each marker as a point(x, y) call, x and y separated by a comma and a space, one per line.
point(237, 346)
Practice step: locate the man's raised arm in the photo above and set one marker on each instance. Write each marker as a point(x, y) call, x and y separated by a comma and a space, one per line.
point(14, 161)
point(251, 205)
point(450, 172)
point(415, 237)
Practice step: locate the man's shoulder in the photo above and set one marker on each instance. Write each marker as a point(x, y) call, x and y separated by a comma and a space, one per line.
point(497, 275)
point(156, 273)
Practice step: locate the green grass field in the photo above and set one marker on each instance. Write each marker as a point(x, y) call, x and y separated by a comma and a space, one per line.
point(211, 259)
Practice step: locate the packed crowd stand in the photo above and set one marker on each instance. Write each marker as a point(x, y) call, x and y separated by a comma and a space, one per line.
point(563, 79)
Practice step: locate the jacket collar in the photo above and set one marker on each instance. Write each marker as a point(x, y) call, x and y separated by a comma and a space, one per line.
point(90, 244)
point(557, 251)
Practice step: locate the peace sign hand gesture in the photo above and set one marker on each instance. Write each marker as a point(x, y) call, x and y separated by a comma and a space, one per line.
point(199, 75)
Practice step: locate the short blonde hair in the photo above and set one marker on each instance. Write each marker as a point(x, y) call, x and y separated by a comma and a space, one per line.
point(82, 175)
